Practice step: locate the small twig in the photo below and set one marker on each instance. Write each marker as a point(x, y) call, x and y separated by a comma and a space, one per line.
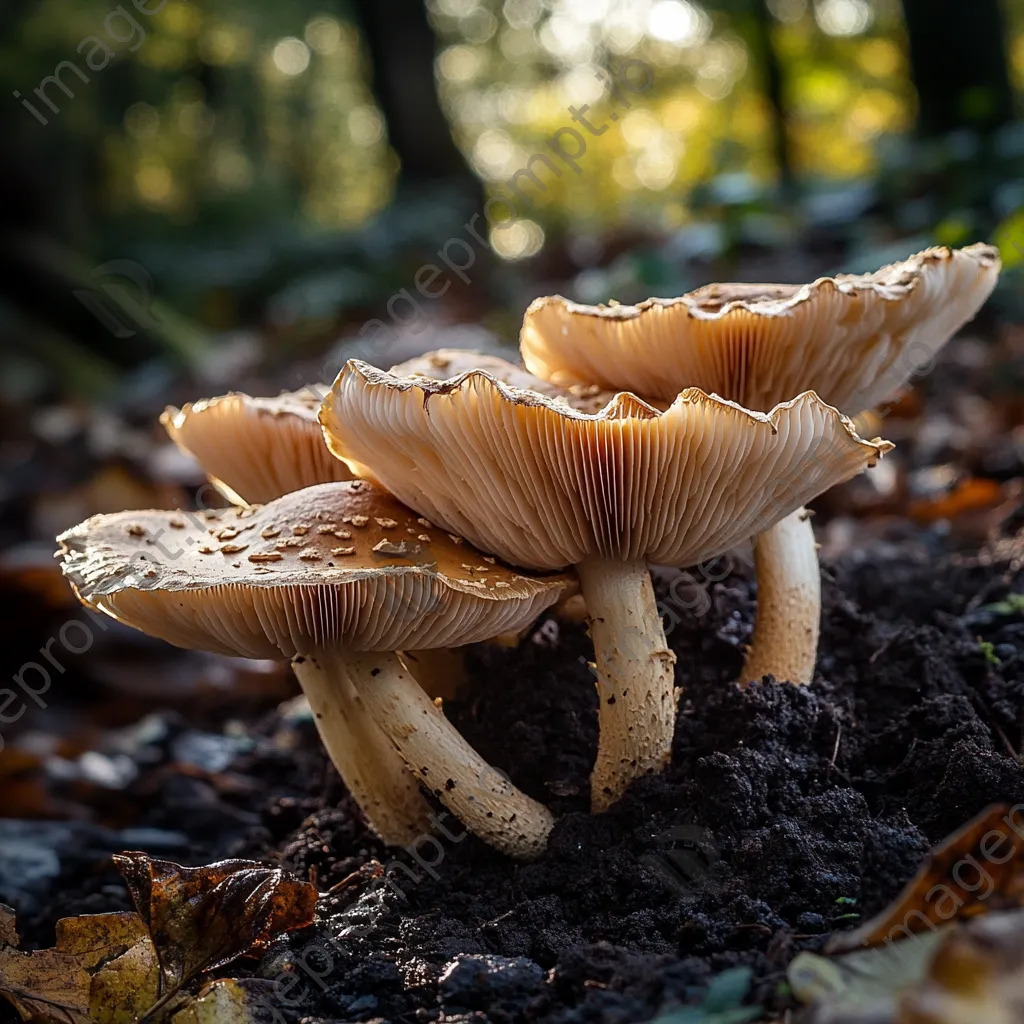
point(887, 644)
point(1006, 742)
point(835, 750)
point(500, 917)
point(368, 872)
point(1005, 579)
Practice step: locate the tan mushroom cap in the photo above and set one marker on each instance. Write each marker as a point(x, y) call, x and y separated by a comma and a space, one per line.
point(853, 339)
point(446, 363)
point(341, 564)
point(256, 449)
point(546, 486)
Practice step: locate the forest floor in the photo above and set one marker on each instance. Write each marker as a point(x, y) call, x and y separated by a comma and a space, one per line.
point(787, 813)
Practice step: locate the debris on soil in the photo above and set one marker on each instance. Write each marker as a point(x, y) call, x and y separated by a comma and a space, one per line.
point(959, 972)
point(122, 966)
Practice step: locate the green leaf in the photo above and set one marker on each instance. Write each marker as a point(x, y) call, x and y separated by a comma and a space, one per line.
point(721, 1003)
point(1013, 604)
point(728, 989)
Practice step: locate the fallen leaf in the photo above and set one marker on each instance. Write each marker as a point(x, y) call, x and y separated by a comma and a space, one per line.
point(965, 973)
point(971, 495)
point(722, 1002)
point(127, 967)
point(896, 967)
point(79, 979)
point(976, 870)
point(865, 981)
point(229, 1001)
point(977, 974)
point(128, 987)
point(97, 938)
point(49, 984)
point(205, 917)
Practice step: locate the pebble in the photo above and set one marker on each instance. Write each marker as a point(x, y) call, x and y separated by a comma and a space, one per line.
point(476, 982)
point(811, 922)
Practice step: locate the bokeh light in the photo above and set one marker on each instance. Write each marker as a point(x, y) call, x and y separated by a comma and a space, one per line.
point(517, 241)
point(323, 34)
point(679, 22)
point(843, 17)
point(291, 56)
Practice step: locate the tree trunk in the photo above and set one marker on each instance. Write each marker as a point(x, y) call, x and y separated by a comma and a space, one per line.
point(767, 60)
point(402, 48)
point(959, 65)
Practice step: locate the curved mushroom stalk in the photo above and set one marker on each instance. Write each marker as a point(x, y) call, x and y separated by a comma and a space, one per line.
point(480, 796)
point(785, 641)
point(636, 695)
point(380, 782)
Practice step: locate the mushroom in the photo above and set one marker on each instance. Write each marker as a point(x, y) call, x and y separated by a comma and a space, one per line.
point(544, 486)
point(256, 449)
point(853, 339)
point(330, 578)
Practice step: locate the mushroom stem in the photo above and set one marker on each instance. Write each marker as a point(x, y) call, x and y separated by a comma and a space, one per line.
point(479, 795)
point(441, 671)
point(636, 695)
point(785, 641)
point(378, 779)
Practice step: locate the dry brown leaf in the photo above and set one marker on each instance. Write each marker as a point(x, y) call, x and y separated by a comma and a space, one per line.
point(122, 968)
point(96, 939)
point(204, 917)
point(971, 495)
point(47, 985)
point(975, 871)
point(61, 984)
point(128, 986)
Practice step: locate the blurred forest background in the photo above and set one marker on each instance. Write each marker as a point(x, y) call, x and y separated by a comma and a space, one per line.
point(275, 172)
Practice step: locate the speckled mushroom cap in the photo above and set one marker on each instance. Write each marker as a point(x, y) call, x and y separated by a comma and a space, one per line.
point(853, 339)
point(256, 449)
point(446, 363)
point(545, 486)
point(337, 564)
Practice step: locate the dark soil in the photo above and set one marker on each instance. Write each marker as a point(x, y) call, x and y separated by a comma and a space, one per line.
point(786, 811)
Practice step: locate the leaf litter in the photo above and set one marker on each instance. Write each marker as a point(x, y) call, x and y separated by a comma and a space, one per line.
point(126, 967)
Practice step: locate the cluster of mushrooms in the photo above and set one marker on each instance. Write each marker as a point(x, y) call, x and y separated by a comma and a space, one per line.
point(454, 498)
